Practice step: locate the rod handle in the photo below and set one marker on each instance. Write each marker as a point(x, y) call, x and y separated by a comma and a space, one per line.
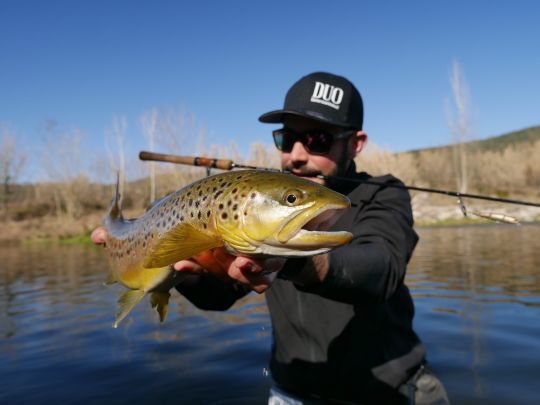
point(223, 164)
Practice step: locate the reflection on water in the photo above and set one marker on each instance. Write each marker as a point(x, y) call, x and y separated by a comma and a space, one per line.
point(57, 342)
point(476, 290)
point(477, 297)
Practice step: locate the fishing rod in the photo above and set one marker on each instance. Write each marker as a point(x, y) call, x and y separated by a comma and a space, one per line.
point(227, 164)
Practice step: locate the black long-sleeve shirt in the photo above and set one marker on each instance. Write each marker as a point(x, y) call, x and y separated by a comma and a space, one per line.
point(349, 338)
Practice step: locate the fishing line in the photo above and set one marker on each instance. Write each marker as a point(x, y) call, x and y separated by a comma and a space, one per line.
point(226, 164)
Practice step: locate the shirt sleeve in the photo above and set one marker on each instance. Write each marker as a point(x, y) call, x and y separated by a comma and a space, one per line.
point(210, 293)
point(373, 265)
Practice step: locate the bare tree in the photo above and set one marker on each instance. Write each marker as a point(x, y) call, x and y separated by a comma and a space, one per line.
point(149, 122)
point(63, 165)
point(460, 124)
point(12, 162)
point(115, 145)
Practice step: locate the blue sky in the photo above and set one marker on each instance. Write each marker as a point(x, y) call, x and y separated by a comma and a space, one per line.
point(81, 63)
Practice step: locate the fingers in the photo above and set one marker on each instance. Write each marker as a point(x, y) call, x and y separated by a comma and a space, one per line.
point(251, 272)
point(256, 274)
point(99, 236)
point(189, 266)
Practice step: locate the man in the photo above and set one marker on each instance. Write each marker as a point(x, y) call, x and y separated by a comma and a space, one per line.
point(342, 321)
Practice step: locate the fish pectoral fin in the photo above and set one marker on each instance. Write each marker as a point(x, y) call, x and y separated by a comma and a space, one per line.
point(182, 242)
point(160, 301)
point(127, 302)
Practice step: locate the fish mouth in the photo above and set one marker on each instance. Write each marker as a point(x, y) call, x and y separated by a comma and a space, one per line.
point(308, 230)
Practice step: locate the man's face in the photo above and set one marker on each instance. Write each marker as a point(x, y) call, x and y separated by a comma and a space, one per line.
point(302, 163)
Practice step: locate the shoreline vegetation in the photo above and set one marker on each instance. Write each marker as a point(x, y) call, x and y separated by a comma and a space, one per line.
point(67, 207)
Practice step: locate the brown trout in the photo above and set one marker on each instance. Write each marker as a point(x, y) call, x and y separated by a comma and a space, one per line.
point(251, 213)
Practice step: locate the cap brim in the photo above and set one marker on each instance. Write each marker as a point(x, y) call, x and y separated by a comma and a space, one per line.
point(277, 116)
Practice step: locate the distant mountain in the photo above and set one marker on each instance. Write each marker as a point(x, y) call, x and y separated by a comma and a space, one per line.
point(500, 142)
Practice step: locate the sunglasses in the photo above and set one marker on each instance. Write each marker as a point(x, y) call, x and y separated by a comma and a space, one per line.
point(316, 142)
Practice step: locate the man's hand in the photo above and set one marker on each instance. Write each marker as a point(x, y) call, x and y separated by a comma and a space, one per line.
point(256, 274)
point(99, 236)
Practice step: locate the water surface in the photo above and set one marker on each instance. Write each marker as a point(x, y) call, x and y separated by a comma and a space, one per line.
point(476, 291)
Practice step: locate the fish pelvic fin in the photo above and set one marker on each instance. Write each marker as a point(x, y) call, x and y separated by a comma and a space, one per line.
point(160, 301)
point(127, 302)
point(181, 242)
point(111, 279)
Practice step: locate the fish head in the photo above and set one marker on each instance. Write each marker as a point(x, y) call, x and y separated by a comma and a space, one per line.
point(270, 213)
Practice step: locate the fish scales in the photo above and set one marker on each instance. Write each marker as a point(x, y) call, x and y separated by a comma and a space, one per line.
point(250, 212)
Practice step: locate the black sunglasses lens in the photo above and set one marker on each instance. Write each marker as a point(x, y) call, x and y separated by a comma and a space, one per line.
point(283, 141)
point(314, 142)
point(319, 142)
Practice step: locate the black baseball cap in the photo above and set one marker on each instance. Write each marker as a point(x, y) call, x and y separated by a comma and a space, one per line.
point(323, 97)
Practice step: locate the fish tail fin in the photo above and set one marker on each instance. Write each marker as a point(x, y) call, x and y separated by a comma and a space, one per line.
point(127, 302)
point(160, 301)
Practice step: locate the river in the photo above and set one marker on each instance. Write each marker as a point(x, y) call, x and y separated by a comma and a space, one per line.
point(476, 291)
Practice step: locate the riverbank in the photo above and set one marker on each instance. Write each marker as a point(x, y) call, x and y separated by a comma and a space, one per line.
point(428, 211)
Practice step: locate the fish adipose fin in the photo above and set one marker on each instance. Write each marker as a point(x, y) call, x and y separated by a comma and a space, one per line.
point(160, 301)
point(181, 242)
point(127, 302)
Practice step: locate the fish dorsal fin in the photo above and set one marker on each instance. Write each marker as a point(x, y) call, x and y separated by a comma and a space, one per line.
point(127, 302)
point(115, 208)
point(160, 301)
point(181, 242)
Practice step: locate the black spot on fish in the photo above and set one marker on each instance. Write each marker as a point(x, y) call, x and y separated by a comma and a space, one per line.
point(218, 194)
point(224, 215)
point(234, 207)
point(253, 195)
point(199, 215)
point(220, 207)
point(190, 202)
point(234, 190)
point(197, 203)
point(235, 216)
point(208, 214)
point(229, 203)
point(191, 214)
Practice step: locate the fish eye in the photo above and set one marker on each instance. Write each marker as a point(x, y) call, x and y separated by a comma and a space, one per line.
point(291, 197)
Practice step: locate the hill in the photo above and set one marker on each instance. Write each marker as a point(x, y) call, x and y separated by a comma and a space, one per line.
point(523, 137)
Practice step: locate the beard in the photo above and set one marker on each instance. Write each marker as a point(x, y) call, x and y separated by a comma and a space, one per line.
point(307, 169)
